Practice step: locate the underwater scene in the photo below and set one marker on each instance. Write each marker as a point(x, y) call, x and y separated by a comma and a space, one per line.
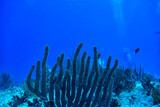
point(79, 53)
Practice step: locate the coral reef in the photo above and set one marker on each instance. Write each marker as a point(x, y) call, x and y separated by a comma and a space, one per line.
point(5, 81)
point(156, 95)
point(19, 100)
point(135, 98)
point(146, 83)
point(81, 84)
point(137, 72)
point(123, 80)
point(88, 88)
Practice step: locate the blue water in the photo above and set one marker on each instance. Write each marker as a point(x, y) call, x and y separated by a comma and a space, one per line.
point(28, 25)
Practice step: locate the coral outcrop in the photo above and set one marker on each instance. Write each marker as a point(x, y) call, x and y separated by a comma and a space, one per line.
point(89, 88)
point(5, 81)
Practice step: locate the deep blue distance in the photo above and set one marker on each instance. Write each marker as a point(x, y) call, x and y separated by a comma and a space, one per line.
point(26, 26)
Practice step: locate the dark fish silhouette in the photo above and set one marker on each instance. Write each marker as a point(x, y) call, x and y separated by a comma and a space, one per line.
point(157, 33)
point(136, 51)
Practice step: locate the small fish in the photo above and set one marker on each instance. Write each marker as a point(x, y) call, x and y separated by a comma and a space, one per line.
point(136, 51)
